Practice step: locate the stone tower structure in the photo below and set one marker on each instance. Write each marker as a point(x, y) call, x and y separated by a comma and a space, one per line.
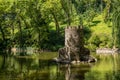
point(74, 49)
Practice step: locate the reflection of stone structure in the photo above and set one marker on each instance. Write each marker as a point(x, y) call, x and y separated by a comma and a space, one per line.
point(74, 49)
point(73, 72)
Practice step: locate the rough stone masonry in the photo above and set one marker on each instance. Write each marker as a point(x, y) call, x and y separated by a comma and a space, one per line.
point(74, 50)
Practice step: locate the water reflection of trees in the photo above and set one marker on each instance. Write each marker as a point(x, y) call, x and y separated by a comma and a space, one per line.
point(24, 68)
point(12, 69)
point(36, 69)
point(108, 68)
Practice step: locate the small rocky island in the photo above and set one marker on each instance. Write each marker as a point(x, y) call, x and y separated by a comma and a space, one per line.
point(74, 50)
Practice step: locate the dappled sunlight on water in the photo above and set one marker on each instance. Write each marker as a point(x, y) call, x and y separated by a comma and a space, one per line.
point(16, 68)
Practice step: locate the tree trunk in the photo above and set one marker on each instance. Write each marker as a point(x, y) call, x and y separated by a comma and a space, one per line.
point(2, 32)
point(56, 22)
point(74, 50)
point(21, 43)
point(4, 41)
point(68, 19)
point(39, 38)
point(21, 40)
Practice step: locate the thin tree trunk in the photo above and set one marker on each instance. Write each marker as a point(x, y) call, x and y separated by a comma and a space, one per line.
point(3, 34)
point(12, 30)
point(69, 20)
point(39, 41)
point(21, 40)
point(56, 22)
point(101, 6)
point(69, 12)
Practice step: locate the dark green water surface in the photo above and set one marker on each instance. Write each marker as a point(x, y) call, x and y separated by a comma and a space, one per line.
point(41, 68)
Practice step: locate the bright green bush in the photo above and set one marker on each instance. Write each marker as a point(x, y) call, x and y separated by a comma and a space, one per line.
point(100, 41)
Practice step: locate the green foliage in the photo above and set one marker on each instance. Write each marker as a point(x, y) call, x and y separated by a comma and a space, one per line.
point(100, 41)
point(40, 23)
point(85, 10)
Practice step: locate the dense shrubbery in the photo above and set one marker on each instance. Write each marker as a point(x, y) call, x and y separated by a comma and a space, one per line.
point(54, 42)
point(100, 41)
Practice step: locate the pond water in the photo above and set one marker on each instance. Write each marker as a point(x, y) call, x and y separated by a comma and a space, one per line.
point(26, 68)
